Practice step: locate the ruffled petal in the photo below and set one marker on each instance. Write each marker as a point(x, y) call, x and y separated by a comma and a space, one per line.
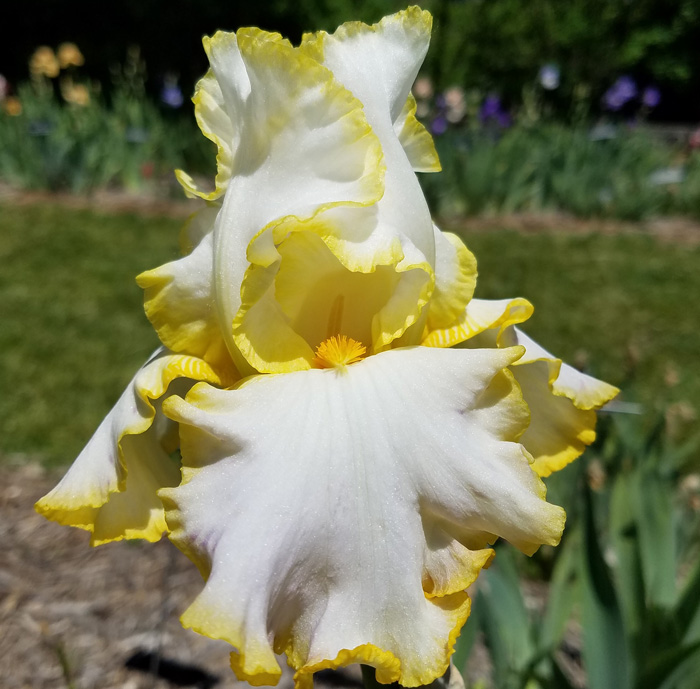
point(562, 401)
point(379, 64)
point(304, 147)
point(338, 526)
point(288, 310)
point(215, 123)
point(111, 488)
point(416, 139)
point(479, 316)
point(455, 280)
point(179, 298)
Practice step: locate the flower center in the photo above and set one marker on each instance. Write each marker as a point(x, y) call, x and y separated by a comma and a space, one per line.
point(339, 350)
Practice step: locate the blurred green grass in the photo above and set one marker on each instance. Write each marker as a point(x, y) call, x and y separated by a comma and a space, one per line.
point(72, 327)
point(623, 306)
point(73, 332)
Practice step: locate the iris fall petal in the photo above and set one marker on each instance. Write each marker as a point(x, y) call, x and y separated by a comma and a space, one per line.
point(322, 512)
point(111, 488)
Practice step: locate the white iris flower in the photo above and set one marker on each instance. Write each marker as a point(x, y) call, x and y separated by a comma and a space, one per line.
point(344, 467)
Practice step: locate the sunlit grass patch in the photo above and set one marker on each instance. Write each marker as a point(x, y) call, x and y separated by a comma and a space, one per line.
point(630, 298)
point(71, 331)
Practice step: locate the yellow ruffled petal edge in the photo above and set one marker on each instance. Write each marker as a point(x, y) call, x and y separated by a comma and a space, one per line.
point(80, 510)
point(207, 99)
point(546, 465)
point(413, 20)
point(471, 323)
point(451, 297)
point(583, 411)
point(258, 666)
point(416, 139)
point(290, 352)
point(215, 122)
point(387, 665)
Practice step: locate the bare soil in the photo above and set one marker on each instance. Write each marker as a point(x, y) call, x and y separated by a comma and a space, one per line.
point(72, 616)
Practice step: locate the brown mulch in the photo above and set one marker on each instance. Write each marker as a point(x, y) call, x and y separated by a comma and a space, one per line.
point(72, 616)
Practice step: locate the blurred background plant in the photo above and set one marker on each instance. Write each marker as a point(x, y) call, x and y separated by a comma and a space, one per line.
point(61, 131)
point(534, 106)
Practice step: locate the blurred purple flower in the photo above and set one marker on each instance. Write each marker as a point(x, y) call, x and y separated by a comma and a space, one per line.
point(651, 96)
point(490, 108)
point(492, 111)
point(171, 94)
point(549, 76)
point(620, 93)
point(439, 125)
point(627, 87)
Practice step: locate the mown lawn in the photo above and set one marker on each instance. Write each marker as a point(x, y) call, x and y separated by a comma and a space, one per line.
point(72, 331)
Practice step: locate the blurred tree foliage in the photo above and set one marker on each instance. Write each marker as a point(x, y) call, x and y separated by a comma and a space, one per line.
point(501, 45)
point(486, 44)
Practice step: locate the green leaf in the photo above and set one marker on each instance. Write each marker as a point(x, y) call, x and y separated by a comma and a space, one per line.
point(625, 540)
point(657, 538)
point(563, 593)
point(666, 669)
point(505, 621)
point(605, 652)
point(687, 613)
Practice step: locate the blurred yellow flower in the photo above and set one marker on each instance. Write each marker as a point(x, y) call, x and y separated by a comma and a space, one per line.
point(12, 106)
point(44, 63)
point(69, 55)
point(77, 94)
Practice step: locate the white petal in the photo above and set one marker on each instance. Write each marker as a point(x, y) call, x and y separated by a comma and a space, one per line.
point(111, 487)
point(379, 64)
point(338, 514)
point(304, 146)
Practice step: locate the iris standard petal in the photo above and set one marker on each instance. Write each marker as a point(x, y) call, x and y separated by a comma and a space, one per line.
point(455, 280)
point(304, 146)
point(416, 139)
point(338, 514)
point(393, 238)
point(379, 64)
point(111, 488)
point(215, 123)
